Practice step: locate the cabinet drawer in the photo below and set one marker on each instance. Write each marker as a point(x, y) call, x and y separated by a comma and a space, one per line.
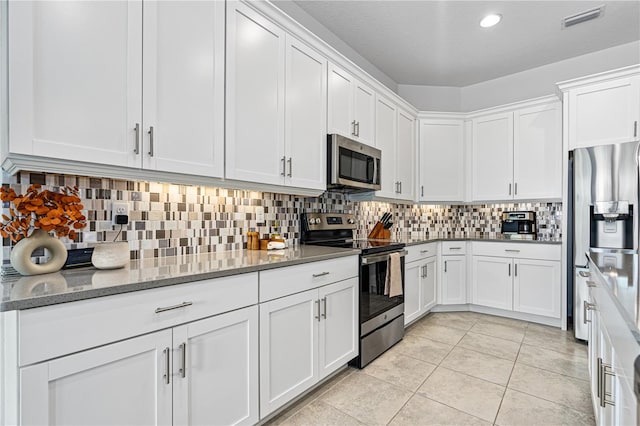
point(57, 330)
point(281, 282)
point(421, 251)
point(518, 250)
point(454, 247)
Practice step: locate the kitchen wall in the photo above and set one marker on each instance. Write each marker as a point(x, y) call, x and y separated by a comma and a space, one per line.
point(170, 220)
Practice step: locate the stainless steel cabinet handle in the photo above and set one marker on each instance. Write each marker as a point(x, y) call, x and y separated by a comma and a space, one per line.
point(635, 128)
point(150, 141)
point(167, 366)
point(584, 274)
point(169, 308)
point(400, 187)
point(515, 188)
point(599, 377)
point(424, 251)
point(586, 306)
point(318, 316)
point(422, 190)
point(606, 371)
point(455, 248)
point(353, 126)
point(509, 269)
point(515, 271)
point(283, 160)
point(358, 128)
point(321, 274)
point(290, 161)
point(591, 284)
point(324, 307)
point(445, 266)
point(509, 189)
point(426, 271)
point(512, 251)
point(183, 366)
point(136, 150)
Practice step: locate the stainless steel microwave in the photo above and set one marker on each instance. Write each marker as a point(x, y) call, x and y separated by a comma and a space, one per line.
point(352, 166)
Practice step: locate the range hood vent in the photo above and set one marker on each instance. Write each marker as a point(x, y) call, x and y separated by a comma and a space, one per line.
point(581, 17)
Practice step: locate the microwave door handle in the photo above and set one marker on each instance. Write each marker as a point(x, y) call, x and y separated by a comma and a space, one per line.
point(375, 171)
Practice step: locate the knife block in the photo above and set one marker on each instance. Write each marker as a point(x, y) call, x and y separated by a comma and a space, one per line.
point(379, 233)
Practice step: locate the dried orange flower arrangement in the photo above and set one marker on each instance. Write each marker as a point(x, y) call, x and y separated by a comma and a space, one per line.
point(60, 212)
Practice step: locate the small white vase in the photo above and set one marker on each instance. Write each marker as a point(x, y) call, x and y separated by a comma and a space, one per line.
point(21, 254)
point(110, 255)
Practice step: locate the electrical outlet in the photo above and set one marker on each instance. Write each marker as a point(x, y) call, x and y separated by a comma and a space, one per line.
point(260, 214)
point(121, 208)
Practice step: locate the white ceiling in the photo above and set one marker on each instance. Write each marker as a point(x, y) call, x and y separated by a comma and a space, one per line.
point(440, 43)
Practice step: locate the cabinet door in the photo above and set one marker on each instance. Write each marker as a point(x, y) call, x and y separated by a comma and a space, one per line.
point(255, 97)
point(492, 161)
point(386, 141)
point(340, 102)
point(441, 160)
point(184, 87)
point(75, 85)
point(604, 113)
point(492, 283)
point(537, 287)
point(125, 383)
point(339, 325)
point(288, 348)
point(215, 370)
point(405, 155)
point(306, 112)
point(412, 298)
point(453, 282)
point(428, 285)
point(537, 152)
point(364, 112)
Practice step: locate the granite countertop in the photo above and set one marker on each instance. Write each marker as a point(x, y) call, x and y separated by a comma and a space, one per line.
point(410, 241)
point(620, 271)
point(77, 284)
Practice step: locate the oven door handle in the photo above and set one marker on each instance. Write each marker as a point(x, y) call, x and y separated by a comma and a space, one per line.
point(375, 258)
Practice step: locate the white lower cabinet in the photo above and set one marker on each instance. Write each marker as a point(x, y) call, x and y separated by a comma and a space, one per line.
point(519, 284)
point(453, 282)
point(303, 338)
point(204, 372)
point(420, 288)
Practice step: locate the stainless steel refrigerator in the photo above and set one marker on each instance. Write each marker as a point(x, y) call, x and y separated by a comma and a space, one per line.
point(603, 213)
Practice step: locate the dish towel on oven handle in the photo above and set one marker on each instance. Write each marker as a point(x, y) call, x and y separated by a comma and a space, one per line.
point(393, 282)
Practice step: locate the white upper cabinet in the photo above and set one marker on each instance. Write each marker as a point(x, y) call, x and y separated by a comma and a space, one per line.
point(405, 155)
point(518, 155)
point(441, 173)
point(492, 157)
point(604, 112)
point(306, 116)
point(386, 142)
point(255, 97)
point(75, 85)
point(351, 106)
point(183, 82)
point(537, 152)
point(276, 117)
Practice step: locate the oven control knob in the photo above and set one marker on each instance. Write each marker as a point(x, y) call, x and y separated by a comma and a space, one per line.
point(314, 221)
point(350, 221)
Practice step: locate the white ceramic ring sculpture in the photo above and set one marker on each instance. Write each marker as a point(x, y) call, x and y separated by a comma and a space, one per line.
point(21, 254)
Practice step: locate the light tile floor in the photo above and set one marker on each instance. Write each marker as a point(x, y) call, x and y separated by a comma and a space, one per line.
point(460, 368)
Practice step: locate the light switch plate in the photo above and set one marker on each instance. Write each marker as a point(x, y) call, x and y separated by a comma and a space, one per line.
point(260, 214)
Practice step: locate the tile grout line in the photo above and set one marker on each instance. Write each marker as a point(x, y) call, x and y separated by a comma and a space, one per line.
point(506, 387)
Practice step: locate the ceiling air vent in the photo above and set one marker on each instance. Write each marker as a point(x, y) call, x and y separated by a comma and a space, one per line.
point(581, 17)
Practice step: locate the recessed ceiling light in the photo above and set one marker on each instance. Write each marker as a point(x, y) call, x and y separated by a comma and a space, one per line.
point(490, 20)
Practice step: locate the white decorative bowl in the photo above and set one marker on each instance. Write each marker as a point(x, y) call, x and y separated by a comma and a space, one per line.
point(110, 255)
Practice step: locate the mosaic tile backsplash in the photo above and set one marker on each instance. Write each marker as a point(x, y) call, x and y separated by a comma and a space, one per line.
point(170, 220)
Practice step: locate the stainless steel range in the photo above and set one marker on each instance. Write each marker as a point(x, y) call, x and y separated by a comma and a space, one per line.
point(381, 317)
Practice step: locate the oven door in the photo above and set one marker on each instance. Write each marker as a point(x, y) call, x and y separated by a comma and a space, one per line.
point(376, 309)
